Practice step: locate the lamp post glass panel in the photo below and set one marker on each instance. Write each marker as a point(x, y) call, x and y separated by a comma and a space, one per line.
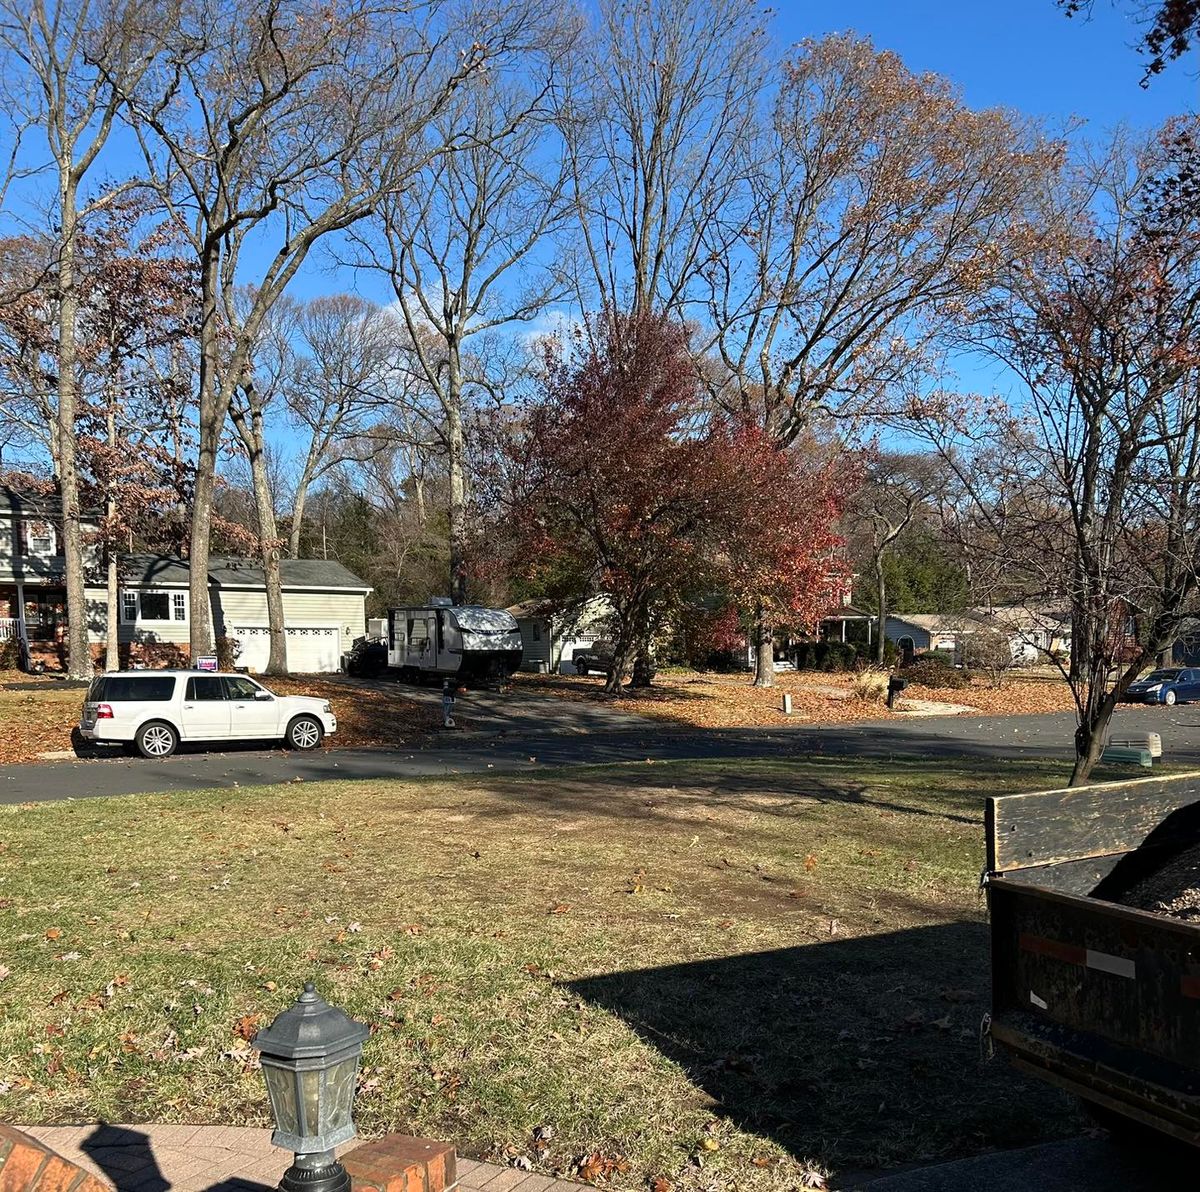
point(310, 1057)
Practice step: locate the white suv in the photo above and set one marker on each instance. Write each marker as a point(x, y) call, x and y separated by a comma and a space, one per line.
point(150, 712)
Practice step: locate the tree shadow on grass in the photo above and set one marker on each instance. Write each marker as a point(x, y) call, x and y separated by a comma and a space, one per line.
point(858, 1053)
point(633, 791)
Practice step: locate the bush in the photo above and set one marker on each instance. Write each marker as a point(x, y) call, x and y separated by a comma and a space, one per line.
point(990, 652)
point(871, 685)
point(928, 671)
point(10, 654)
point(228, 649)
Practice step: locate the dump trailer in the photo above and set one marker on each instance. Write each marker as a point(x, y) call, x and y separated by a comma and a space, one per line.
point(1097, 997)
point(464, 642)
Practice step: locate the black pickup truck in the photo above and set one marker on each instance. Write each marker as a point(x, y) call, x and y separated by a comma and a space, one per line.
point(1097, 997)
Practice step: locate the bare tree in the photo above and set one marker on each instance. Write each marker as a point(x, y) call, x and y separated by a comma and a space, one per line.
point(668, 94)
point(67, 66)
point(347, 364)
point(459, 249)
point(1090, 488)
point(895, 489)
point(877, 203)
point(275, 126)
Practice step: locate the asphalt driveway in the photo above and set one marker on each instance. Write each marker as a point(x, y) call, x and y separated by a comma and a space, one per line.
point(525, 748)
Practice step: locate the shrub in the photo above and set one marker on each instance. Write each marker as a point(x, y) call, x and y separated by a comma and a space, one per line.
point(871, 685)
point(990, 652)
point(930, 672)
point(228, 649)
point(804, 656)
point(10, 654)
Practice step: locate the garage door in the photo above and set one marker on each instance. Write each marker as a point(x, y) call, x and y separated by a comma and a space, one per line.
point(311, 649)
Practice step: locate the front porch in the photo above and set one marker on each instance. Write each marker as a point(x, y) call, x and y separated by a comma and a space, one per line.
point(34, 619)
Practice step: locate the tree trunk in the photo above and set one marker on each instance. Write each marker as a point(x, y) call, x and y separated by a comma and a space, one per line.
point(297, 518)
point(250, 430)
point(112, 648)
point(623, 649)
point(643, 659)
point(881, 593)
point(764, 651)
point(214, 406)
point(79, 660)
point(1090, 738)
point(112, 633)
point(455, 452)
point(298, 504)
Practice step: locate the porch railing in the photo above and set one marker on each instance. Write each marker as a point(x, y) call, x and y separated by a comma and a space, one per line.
point(11, 627)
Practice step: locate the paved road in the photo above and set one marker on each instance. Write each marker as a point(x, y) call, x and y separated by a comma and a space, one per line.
point(942, 736)
point(1075, 1165)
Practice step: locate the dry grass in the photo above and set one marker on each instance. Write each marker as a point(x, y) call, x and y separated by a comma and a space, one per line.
point(33, 722)
point(710, 700)
point(721, 974)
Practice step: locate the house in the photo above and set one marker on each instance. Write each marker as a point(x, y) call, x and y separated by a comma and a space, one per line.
point(324, 604)
point(1033, 633)
point(324, 609)
point(1036, 632)
point(33, 595)
point(919, 633)
point(550, 636)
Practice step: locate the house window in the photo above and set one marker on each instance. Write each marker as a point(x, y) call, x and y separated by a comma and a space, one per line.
point(179, 606)
point(40, 539)
point(537, 631)
point(155, 606)
point(129, 606)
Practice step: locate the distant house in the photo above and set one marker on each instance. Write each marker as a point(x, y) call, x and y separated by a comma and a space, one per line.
point(550, 636)
point(919, 633)
point(324, 605)
point(1036, 632)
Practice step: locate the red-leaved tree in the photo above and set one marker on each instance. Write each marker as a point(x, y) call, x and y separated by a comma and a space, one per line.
point(615, 480)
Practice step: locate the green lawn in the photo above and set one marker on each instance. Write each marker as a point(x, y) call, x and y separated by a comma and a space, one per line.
point(721, 974)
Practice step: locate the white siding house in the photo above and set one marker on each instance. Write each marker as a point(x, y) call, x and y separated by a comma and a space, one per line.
point(550, 636)
point(324, 608)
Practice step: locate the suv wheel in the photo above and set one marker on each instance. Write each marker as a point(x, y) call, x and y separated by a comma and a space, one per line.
point(305, 732)
point(156, 739)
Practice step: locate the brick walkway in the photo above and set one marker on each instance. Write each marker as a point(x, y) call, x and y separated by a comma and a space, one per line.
point(225, 1159)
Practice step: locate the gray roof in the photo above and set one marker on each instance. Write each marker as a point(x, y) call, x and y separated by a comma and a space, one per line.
point(43, 504)
point(225, 572)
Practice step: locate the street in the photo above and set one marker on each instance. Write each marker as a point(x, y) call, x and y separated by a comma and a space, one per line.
point(1002, 737)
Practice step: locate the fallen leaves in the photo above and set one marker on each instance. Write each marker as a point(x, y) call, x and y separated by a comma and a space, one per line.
point(598, 1166)
point(246, 1027)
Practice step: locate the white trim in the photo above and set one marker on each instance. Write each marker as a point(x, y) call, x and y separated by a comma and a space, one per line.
point(158, 590)
point(220, 587)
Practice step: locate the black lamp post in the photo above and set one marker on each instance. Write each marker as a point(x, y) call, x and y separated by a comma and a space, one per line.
point(310, 1057)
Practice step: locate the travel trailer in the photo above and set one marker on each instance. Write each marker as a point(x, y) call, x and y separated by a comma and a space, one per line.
point(441, 640)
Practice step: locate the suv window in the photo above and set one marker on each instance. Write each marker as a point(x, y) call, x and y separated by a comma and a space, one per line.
point(241, 688)
point(206, 687)
point(123, 689)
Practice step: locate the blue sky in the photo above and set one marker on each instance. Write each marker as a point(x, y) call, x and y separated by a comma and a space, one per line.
point(1019, 53)
point(1023, 54)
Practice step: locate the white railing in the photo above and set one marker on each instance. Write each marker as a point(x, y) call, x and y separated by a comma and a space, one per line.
point(11, 627)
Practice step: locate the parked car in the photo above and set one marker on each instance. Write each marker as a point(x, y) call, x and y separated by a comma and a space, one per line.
point(151, 712)
point(366, 658)
point(1172, 685)
point(598, 658)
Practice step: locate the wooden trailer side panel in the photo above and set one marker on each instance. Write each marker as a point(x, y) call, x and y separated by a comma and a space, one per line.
point(1049, 827)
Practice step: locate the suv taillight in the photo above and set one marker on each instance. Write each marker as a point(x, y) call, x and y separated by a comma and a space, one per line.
point(104, 712)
